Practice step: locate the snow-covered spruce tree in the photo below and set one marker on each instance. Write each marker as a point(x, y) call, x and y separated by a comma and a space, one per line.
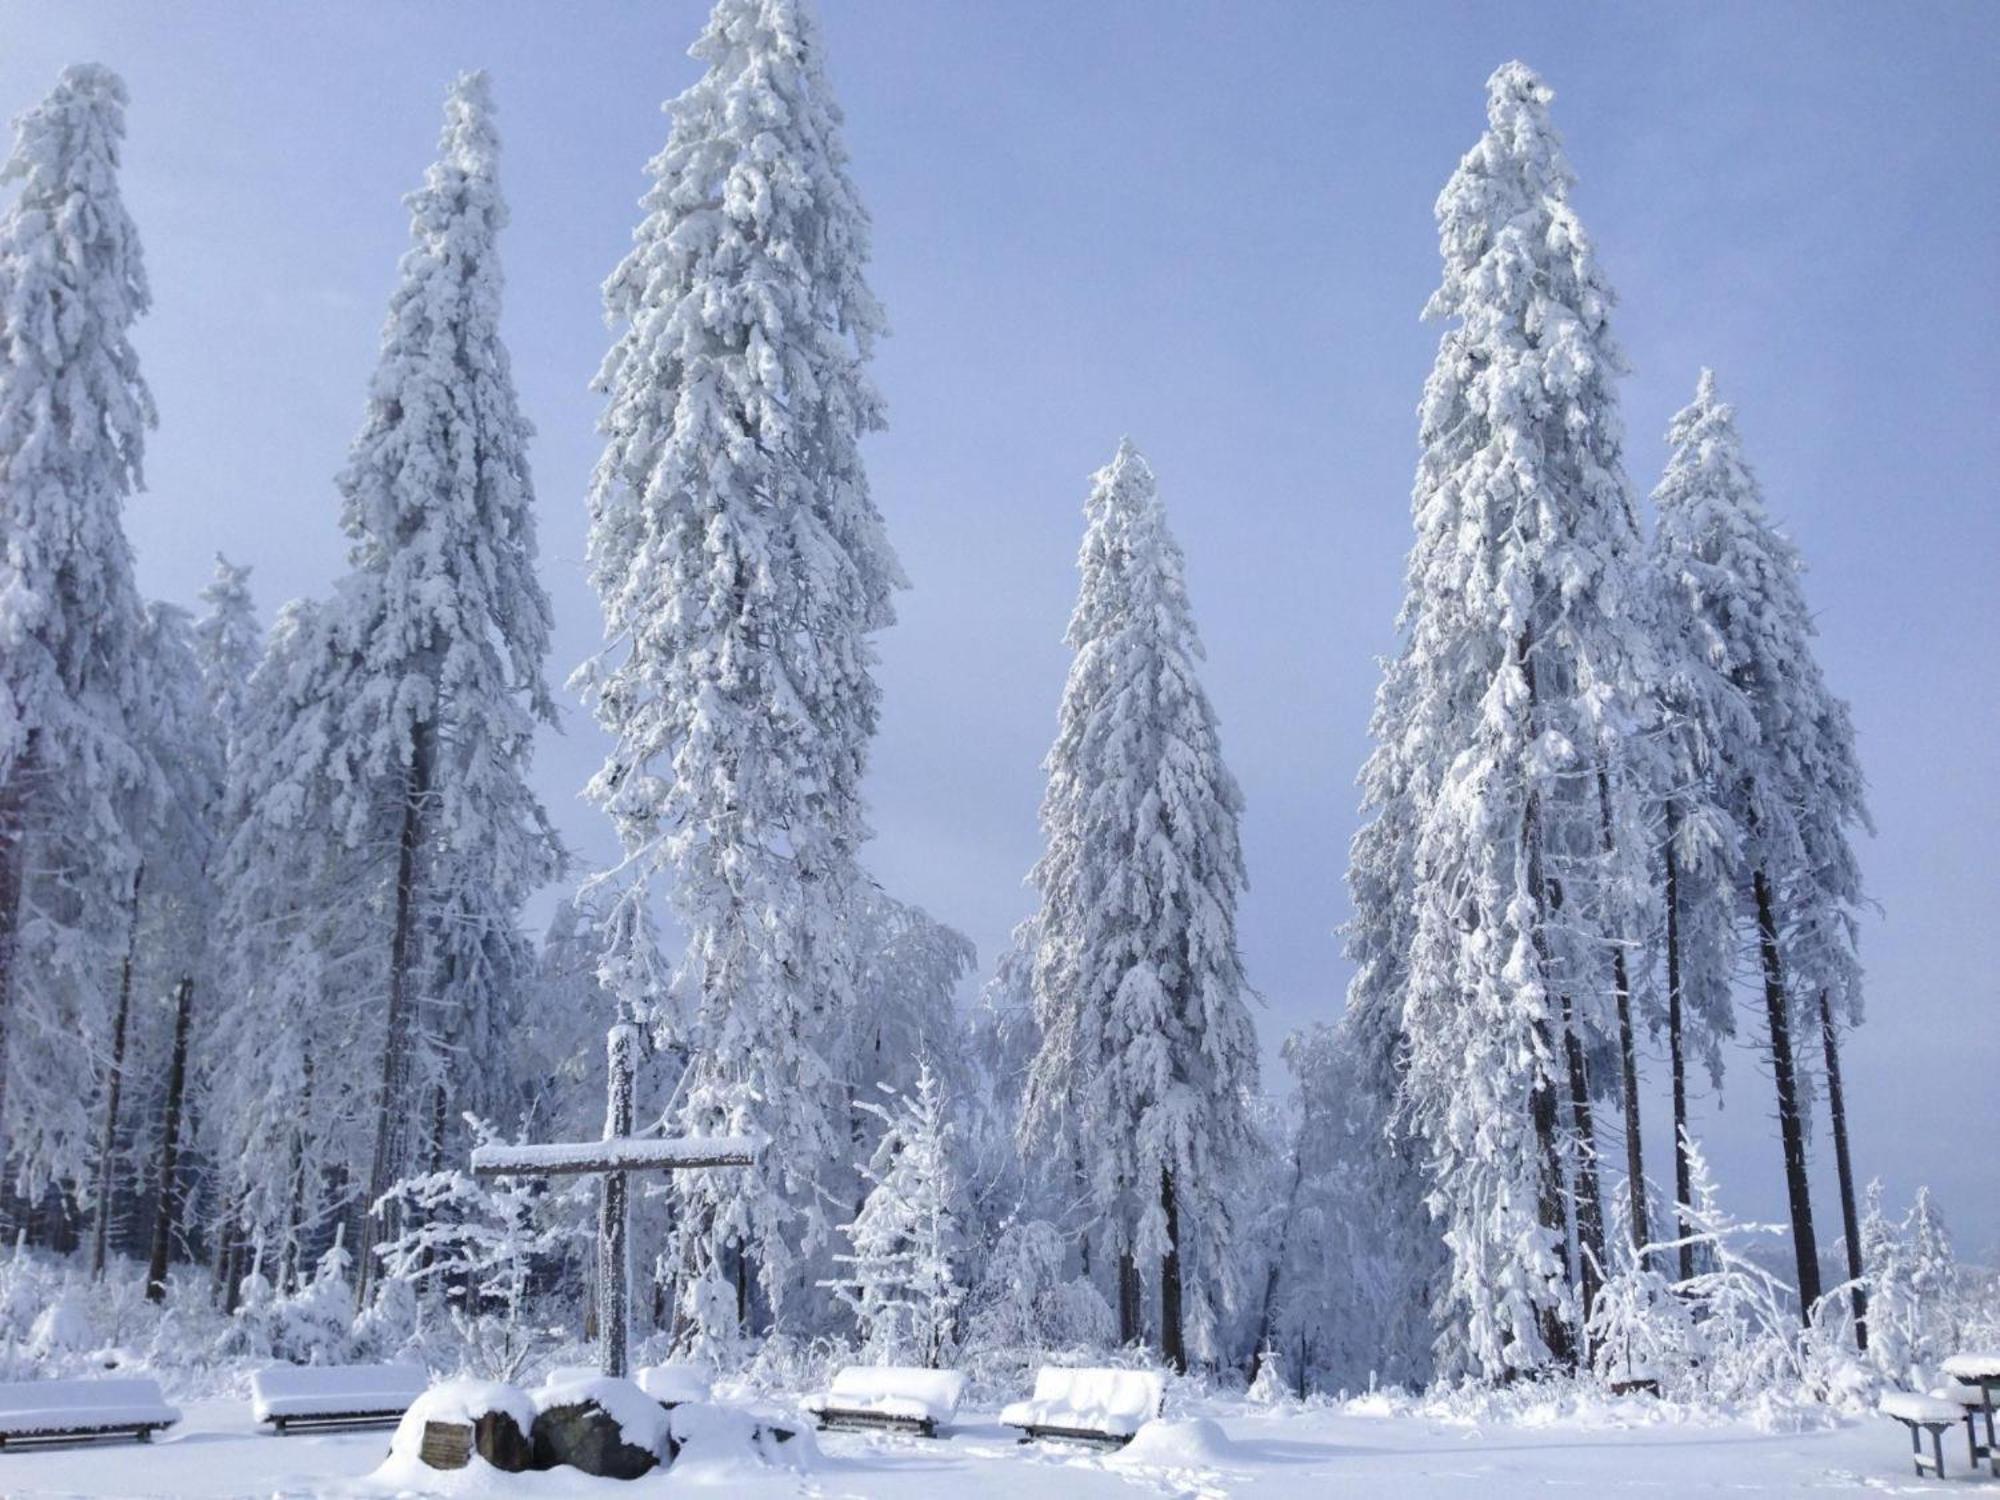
point(73, 775)
point(902, 1282)
point(1793, 789)
point(446, 628)
point(302, 966)
point(1358, 1258)
point(171, 919)
point(908, 967)
point(228, 644)
point(1705, 725)
point(1147, 1054)
point(1515, 691)
point(743, 568)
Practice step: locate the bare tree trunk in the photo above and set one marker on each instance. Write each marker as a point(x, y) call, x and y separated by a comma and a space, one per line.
point(1850, 1217)
point(114, 1084)
point(168, 1215)
point(1791, 1125)
point(295, 1205)
point(1589, 1191)
point(1628, 1056)
point(1130, 1317)
point(396, 1041)
point(1677, 1055)
point(1550, 1197)
point(1173, 1337)
point(225, 1235)
point(13, 890)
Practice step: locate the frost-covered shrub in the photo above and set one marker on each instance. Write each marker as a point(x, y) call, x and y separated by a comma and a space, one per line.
point(1746, 1339)
point(63, 1327)
point(474, 1244)
point(1639, 1325)
point(314, 1325)
point(1027, 1309)
point(902, 1282)
point(1918, 1310)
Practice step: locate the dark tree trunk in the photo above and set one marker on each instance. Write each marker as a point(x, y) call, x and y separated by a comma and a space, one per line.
point(165, 1220)
point(114, 1085)
point(1129, 1331)
point(395, 1043)
point(1550, 1199)
point(1791, 1124)
point(1589, 1192)
point(1549, 1203)
point(225, 1240)
point(13, 884)
point(1677, 1055)
point(1173, 1337)
point(1850, 1216)
point(295, 1208)
point(1628, 1055)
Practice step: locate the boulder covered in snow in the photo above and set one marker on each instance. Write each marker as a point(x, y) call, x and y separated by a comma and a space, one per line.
point(495, 1419)
point(713, 1444)
point(1196, 1443)
point(674, 1382)
point(606, 1427)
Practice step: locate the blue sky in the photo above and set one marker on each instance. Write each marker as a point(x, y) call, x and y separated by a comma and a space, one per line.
point(1207, 226)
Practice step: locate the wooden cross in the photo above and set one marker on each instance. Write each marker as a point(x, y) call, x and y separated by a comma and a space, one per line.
point(618, 1153)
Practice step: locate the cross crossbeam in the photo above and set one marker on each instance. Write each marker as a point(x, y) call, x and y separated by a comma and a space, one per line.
point(609, 1159)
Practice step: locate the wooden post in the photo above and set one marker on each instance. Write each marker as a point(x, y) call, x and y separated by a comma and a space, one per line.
point(614, 1261)
point(612, 1156)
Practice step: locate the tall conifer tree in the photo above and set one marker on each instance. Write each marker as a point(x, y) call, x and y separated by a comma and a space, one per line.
point(743, 569)
point(1147, 1052)
point(1515, 691)
point(1793, 787)
point(76, 782)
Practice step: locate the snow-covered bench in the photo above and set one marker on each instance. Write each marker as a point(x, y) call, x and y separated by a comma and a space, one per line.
point(1922, 1414)
point(675, 1382)
point(54, 1411)
point(1090, 1406)
point(290, 1396)
point(906, 1398)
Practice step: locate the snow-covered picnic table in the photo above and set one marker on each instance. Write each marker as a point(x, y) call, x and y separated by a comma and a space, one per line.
point(40, 1411)
point(1089, 1405)
point(1974, 1383)
point(899, 1396)
point(290, 1396)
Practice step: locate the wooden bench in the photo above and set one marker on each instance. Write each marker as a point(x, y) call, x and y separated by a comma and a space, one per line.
point(70, 1411)
point(1097, 1406)
point(321, 1396)
point(895, 1398)
point(1924, 1414)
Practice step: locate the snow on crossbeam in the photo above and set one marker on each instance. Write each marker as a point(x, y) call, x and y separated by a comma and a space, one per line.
point(560, 1159)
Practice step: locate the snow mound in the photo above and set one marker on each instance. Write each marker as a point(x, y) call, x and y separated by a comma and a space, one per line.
point(719, 1443)
point(461, 1402)
point(1196, 1443)
point(641, 1420)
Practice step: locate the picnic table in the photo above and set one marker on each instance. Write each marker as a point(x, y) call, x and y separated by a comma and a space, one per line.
point(1975, 1384)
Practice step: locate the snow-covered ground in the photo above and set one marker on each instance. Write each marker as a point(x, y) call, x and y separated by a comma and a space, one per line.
point(1367, 1448)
